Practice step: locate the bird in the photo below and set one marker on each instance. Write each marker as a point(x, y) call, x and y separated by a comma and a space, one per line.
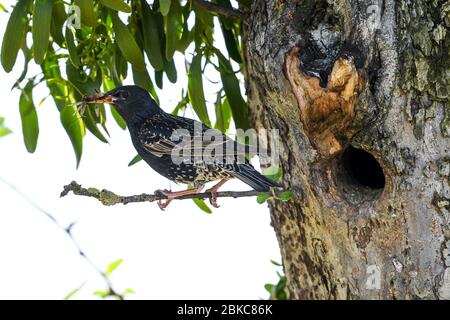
point(157, 136)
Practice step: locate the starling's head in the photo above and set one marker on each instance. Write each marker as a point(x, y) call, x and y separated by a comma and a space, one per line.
point(129, 101)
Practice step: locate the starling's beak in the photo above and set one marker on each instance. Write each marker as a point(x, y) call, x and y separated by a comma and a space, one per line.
point(101, 98)
point(106, 98)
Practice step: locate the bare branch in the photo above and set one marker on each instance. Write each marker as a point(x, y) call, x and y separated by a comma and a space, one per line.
point(221, 10)
point(109, 198)
point(68, 231)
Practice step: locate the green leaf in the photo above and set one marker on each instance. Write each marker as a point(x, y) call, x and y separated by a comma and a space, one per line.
point(59, 17)
point(2, 8)
point(73, 292)
point(277, 291)
point(159, 78)
point(127, 291)
point(233, 92)
point(188, 35)
point(117, 5)
point(42, 18)
point(204, 26)
point(262, 197)
point(273, 173)
point(70, 119)
point(181, 104)
point(14, 34)
point(28, 115)
point(102, 293)
point(223, 114)
point(202, 205)
point(118, 118)
point(164, 6)
point(83, 84)
point(269, 287)
point(72, 48)
point(195, 89)
point(3, 130)
point(87, 12)
point(276, 263)
point(150, 34)
point(75, 129)
point(285, 196)
point(127, 43)
point(135, 160)
point(231, 44)
point(173, 26)
point(142, 79)
point(171, 71)
point(116, 66)
point(113, 266)
point(27, 58)
point(91, 120)
point(54, 81)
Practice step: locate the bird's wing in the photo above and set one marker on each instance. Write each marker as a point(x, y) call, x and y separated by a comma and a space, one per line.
point(160, 147)
point(204, 139)
point(155, 136)
point(195, 139)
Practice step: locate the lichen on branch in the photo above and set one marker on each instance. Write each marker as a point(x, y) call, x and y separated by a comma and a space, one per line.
point(109, 198)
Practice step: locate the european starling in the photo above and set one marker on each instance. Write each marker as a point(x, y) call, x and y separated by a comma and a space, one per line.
point(205, 154)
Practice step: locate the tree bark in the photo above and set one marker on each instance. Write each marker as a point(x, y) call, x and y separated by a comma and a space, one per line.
point(360, 94)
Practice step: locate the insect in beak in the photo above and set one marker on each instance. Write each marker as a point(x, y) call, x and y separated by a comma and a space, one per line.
point(106, 99)
point(98, 97)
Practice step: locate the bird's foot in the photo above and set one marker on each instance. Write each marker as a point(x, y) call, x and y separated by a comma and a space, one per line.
point(163, 204)
point(213, 192)
point(213, 199)
point(173, 195)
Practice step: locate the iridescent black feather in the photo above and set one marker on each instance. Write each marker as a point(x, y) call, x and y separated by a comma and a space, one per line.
point(152, 132)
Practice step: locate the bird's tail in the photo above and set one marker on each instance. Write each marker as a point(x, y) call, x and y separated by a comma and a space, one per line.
point(253, 178)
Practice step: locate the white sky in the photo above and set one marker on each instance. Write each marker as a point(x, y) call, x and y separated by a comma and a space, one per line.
point(182, 253)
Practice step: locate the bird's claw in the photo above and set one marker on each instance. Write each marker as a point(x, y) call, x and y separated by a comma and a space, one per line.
point(213, 200)
point(163, 205)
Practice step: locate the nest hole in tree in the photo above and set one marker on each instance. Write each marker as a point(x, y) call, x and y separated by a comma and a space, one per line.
point(363, 168)
point(357, 176)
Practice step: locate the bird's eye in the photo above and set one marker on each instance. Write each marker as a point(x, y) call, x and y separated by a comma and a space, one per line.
point(123, 95)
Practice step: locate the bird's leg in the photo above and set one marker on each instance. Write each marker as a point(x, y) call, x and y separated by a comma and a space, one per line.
point(173, 195)
point(213, 192)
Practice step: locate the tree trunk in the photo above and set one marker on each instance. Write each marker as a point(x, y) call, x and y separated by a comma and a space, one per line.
point(360, 94)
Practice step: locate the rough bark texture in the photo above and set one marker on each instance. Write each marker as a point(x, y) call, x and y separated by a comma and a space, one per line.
point(345, 80)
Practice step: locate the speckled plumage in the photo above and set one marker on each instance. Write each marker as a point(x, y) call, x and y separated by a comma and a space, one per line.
point(152, 130)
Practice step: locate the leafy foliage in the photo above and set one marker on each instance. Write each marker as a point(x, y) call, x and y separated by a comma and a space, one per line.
point(277, 290)
point(30, 126)
point(275, 175)
point(104, 294)
point(113, 266)
point(202, 205)
point(74, 291)
point(3, 130)
point(107, 47)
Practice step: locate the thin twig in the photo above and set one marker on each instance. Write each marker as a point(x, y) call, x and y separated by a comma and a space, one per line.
point(68, 231)
point(221, 10)
point(109, 198)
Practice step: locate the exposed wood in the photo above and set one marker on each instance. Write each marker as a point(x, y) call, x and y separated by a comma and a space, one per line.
point(325, 112)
